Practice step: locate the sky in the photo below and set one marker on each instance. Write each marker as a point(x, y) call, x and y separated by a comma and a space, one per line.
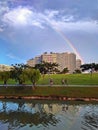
point(29, 28)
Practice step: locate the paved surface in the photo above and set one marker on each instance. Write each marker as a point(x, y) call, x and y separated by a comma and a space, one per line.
point(51, 85)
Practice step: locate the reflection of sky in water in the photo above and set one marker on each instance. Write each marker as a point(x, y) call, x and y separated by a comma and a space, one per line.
point(21, 115)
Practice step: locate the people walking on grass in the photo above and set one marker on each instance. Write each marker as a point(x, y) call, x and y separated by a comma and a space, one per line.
point(64, 81)
point(51, 82)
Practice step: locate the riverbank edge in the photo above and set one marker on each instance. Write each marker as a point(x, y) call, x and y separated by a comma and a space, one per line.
point(63, 98)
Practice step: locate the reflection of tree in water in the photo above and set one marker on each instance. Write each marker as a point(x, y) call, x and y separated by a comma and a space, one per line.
point(21, 118)
point(90, 120)
point(20, 113)
point(64, 107)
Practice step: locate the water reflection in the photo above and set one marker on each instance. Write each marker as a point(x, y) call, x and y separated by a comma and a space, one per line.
point(90, 118)
point(23, 115)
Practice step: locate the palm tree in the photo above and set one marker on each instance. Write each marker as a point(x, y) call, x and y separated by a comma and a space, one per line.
point(46, 67)
point(65, 70)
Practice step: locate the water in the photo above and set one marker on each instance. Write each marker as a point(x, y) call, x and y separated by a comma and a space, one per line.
point(47, 115)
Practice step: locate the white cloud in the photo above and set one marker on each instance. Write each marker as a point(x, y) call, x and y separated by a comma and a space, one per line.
point(1, 30)
point(51, 13)
point(23, 16)
point(11, 56)
point(68, 23)
point(17, 16)
point(37, 24)
point(87, 26)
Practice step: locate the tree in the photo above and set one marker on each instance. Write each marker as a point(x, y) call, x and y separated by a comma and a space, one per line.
point(53, 67)
point(77, 71)
point(46, 67)
point(65, 70)
point(91, 66)
point(4, 76)
point(23, 77)
point(96, 67)
point(41, 67)
point(33, 76)
point(16, 72)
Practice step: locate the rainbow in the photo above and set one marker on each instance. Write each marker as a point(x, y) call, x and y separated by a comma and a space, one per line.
point(70, 44)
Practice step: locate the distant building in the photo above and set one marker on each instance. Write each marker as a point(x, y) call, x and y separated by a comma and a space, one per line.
point(71, 62)
point(5, 67)
point(64, 60)
point(78, 64)
point(51, 58)
point(33, 62)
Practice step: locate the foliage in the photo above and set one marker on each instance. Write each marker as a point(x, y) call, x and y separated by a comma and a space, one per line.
point(4, 76)
point(73, 79)
point(77, 71)
point(91, 66)
point(16, 72)
point(21, 73)
point(33, 75)
point(46, 67)
point(65, 70)
point(23, 77)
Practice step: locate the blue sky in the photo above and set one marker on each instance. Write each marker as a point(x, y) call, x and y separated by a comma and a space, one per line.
point(30, 27)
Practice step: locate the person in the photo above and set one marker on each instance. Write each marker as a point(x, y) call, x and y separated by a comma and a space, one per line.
point(51, 82)
point(64, 82)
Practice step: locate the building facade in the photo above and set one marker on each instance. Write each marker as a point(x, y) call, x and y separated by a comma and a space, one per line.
point(78, 64)
point(64, 60)
point(5, 67)
point(50, 58)
point(71, 62)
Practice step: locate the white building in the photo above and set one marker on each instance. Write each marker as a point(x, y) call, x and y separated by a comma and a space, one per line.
point(64, 60)
point(5, 67)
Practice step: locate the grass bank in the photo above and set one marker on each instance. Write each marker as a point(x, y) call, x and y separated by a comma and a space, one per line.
point(71, 92)
point(72, 79)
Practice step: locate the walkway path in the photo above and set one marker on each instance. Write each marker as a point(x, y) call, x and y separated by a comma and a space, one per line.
point(46, 85)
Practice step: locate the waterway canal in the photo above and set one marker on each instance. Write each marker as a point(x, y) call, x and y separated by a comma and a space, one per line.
point(47, 115)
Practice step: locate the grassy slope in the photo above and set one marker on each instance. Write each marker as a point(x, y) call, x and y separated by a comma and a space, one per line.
point(50, 91)
point(73, 79)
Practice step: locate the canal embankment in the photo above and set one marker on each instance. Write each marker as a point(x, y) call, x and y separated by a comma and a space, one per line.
point(74, 93)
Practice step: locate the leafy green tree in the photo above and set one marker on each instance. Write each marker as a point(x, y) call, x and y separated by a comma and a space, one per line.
point(41, 68)
point(46, 67)
point(5, 76)
point(65, 70)
point(16, 72)
point(77, 71)
point(33, 76)
point(23, 77)
point(53, 67)
point(96, 67)
point(91, 66)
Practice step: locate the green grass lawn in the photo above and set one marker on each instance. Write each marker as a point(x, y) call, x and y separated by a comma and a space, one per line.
point(73, 79)
point(68, 91)
point(75, 92)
